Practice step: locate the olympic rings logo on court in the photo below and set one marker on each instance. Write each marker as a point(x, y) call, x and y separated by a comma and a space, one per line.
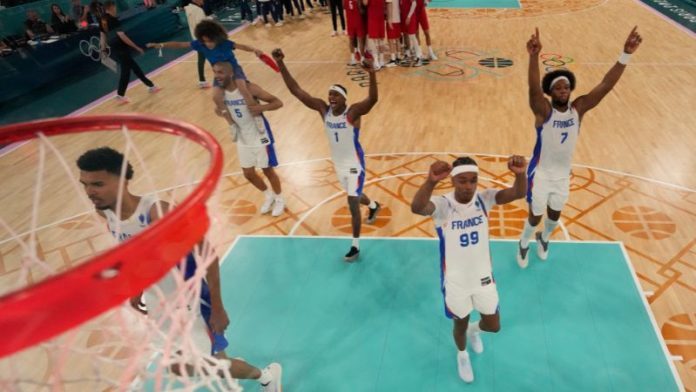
point(554, 61)
point(92, 48)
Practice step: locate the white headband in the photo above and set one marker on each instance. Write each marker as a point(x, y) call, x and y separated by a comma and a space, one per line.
point(464, 169)
point(339, 90)
point(558, 79)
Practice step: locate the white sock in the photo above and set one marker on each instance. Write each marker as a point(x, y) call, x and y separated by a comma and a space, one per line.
point(278, 196)
point(393, 57)
point(372, 205)
point(356, 242)
point(549, 226)
point(266, 377)
point(415, 46)
point(473, 328)
point(527, 234)
point(463, 353)
point(268, 193)
point(430, 49)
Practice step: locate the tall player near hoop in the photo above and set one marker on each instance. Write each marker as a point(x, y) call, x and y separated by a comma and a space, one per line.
point(342, 125)
point(100, 174)
point(254, 149)
point(557, 125)
point(461, 221)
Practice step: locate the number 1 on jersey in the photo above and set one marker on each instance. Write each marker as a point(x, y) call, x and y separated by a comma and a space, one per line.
point(336, 135)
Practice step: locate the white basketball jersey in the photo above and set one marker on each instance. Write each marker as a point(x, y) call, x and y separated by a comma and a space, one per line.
point(464, 243)
point(249, 135)
point(136, 223)
point(346, 151)
point(553, 151)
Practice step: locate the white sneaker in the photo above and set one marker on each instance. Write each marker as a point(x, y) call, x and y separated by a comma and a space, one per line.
point(475, 342)
point(278, 207)
point(121, 100)
point(432, 55)
point(522, 259)
point(203, 85)
point(542, 247)
point(466, 373)
point(302, 16)
point(267, 25)
point(279, 24)
point(275, 384)
point(334, 33)
point(267, 204)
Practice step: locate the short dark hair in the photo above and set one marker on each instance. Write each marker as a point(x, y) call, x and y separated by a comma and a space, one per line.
point(210, 29)
point(104, 158)
point(549, 77)
point(464, 161)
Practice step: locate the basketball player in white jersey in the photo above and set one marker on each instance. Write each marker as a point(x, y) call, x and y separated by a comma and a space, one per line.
point(342, 126)
point(255, 149)
point(557, 125)
point(100, 174)
point(461, 222)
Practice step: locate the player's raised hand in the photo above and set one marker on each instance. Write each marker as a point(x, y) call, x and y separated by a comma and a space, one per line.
point(278, 54)
point(517, 164)
point(439, 170)
point(633, 41)
point(534, 43)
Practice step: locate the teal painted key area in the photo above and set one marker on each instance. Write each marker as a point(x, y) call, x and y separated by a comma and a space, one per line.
point(573, 323)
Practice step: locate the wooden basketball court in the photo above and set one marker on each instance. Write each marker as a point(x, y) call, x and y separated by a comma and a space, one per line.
point(634, 163)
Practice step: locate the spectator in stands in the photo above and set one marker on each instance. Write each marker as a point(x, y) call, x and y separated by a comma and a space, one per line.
point(95, 12)
point(79, 12)
point(61, 23)
point(34, 26)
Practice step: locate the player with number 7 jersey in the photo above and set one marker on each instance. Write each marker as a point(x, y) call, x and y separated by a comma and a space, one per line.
point(466, 272)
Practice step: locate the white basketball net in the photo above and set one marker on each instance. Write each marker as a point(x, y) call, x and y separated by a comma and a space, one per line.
point(51, 227)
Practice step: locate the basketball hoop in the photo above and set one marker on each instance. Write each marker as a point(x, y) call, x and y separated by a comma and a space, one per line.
point(61, 302)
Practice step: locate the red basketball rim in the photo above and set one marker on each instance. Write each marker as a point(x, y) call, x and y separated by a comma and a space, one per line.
point(56, 304)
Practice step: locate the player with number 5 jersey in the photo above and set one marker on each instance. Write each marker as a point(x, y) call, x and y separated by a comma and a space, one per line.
point(461, 222)
point(342, 127)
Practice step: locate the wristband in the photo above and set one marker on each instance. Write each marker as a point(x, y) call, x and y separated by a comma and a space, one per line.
point(624, 58)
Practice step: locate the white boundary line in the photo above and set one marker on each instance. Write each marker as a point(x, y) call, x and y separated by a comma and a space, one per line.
point(346, 237)
point(648, 310)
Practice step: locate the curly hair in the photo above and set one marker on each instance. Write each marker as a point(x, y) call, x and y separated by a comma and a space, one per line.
point(211, 30)
point(549, 77)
